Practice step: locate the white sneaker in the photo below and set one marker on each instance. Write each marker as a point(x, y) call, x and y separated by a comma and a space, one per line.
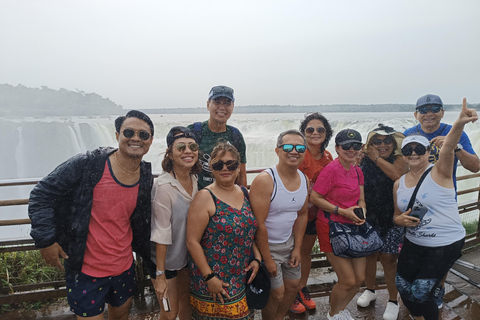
point(346, 315)
point(337, 316)
point(391, 312)
point(365, 299)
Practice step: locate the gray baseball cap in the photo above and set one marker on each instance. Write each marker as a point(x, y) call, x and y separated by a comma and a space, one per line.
point(429, 99)
point(221, 91)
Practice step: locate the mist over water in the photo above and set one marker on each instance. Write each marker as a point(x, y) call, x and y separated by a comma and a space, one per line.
point(32, 147)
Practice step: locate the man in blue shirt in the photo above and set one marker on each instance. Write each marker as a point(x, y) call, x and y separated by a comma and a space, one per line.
point(429, 112)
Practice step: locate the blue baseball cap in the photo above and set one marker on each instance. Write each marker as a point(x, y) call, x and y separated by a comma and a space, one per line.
point(429, 99)
point(221, 91)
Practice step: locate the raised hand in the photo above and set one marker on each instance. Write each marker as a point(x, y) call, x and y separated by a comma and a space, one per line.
point(467, 115)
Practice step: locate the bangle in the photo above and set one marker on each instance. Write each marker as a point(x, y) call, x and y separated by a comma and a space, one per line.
point(259, 263)
point(209, 276)
point(335, 210)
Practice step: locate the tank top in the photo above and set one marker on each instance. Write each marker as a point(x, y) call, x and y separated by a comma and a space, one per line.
point(284, 206)
point(441, 225)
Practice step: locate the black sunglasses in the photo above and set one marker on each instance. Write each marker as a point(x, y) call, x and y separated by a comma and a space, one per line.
point(356, 146)
point(311, 130)
point(300, 148)
point(231, 165)
point(419, 150)
point(433, 109)
point(129, 133)
point(378, 141)
point(181, 146)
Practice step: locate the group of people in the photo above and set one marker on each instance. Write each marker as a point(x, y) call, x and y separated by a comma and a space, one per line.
point(199, 230)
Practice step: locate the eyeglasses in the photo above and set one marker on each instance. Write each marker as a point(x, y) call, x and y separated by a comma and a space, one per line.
point(419, 150)
point(378, 141)
point(300, 148)
point(426, 109)
point(181, 146)
point(356, 146)
point(231, 165)
point(129, 133)
point(222, 100)
point(320, 130)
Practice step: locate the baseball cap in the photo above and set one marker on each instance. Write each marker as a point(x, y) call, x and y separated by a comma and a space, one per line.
point(348, 135)
point(417, 139)
point(221, 91)
point(173, 134)
point(429, 99)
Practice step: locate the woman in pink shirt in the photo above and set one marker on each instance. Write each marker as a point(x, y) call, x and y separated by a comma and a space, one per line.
point(338, 191)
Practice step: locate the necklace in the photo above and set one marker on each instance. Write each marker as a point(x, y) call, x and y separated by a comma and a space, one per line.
point(131, 172)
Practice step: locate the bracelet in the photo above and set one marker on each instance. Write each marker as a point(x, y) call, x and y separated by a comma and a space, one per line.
point(209, 276)
point(335, 210)
point(259, 263)
point(394, 217)
point(376, 159)
point(160, 273)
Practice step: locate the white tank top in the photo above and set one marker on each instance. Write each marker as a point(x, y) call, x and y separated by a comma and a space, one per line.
point(284, 206)
point(441, 225)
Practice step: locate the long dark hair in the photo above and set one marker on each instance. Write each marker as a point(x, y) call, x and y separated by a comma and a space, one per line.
point(318, 116)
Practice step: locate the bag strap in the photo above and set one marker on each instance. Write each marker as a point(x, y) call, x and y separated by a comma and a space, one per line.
point(274, 193)
point(414, 194)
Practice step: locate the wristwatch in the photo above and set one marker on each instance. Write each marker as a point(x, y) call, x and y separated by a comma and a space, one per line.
point(159, 273)
point(459, 147)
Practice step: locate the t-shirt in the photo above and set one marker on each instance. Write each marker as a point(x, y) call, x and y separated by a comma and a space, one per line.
point(443, 130)
point(109, 240)
point(209, 140)
point(340, 187)
point(312, 167)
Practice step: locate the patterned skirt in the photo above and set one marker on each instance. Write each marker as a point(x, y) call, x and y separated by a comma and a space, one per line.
point(204, 308)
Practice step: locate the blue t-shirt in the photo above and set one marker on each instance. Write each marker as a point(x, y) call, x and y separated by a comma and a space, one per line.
point(443, 130)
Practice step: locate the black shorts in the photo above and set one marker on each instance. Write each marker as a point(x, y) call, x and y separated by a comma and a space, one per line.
point(311, 227)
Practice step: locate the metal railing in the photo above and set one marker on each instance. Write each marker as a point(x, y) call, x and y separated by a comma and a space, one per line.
point(55, 289)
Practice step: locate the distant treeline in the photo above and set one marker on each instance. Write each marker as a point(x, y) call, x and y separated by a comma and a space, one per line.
point(308, 109)
point(35, 102)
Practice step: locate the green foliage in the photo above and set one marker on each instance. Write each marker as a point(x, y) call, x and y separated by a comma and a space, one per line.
point(26, 267)
point(471, 227)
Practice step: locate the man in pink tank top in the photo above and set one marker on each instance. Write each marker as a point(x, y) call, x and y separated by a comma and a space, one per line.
point(279, 200)
point(93, 211)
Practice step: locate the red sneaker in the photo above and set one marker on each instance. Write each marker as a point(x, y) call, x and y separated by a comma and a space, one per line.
point(305, 299)
point(297, 307)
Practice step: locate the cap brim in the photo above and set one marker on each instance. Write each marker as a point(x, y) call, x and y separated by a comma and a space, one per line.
point(397, 135)
point(348, 141)
point(219, 95)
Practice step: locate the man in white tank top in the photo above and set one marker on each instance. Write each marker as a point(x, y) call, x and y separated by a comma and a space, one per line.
point(279, 198)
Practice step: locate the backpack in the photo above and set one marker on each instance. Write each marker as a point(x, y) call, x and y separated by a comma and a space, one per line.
point(236, 136)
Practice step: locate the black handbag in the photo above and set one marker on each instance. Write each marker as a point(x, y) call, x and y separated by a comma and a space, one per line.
point(353, 241)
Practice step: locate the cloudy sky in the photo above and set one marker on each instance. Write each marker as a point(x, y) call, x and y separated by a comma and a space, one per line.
point(156, 54)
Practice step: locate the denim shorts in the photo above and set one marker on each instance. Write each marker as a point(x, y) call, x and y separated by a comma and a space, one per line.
point(87, 295)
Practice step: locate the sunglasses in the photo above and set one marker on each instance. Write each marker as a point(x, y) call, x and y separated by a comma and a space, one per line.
point(311, 130)
point(433, 109)
point(231, 165)
point(181, 146)
point(378, 141)
point(222, 100)
point(356, 146)
point(300, 148)
point(129, 133)
point(419, 150)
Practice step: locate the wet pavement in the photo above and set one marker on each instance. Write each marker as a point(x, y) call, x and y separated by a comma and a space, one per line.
point(461, 301)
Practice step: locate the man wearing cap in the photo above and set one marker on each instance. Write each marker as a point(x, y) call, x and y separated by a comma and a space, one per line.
point(429, 112)
point(93, 210)
point(220, 104)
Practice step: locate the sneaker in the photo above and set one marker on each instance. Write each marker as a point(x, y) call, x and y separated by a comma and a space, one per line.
point(337, 316)
point(391, 312)
point(439, 298)
point(304, 297)
point(365, 299)
point(297, 307)
point(346, 315)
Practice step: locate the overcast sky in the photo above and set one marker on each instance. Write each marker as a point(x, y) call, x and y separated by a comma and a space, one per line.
point(157, 54)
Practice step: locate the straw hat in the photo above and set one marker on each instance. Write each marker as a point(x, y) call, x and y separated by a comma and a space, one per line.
point(387, 131)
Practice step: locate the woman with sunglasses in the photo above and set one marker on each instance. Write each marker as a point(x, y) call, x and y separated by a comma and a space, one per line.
point(338, 191)
point(382, 165)
point(220, 232)
point(172, 194)
point(317, 132)
point(434, 232)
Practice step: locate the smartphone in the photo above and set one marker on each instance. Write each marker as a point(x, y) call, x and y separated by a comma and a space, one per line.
point(166, 304)
point(359, 212)
point(418, 212)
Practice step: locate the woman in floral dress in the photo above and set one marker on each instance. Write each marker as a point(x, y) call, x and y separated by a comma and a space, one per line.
point(220, 239)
